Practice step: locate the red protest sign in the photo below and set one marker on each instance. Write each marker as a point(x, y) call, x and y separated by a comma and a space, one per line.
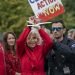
point(46, 9)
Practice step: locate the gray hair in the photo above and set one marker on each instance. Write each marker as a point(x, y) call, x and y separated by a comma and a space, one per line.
point(35, 31)
point(71, 31)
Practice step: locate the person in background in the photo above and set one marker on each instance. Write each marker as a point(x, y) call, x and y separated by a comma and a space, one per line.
point(2, 60)
point(45, 29)
point(11, 59)
point(31, 53)
point(61, 61)
point(71, 34)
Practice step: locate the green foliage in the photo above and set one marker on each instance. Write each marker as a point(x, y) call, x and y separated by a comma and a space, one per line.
point(14, 13)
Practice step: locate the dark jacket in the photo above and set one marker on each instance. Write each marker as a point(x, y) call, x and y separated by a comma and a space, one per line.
point(61, 60)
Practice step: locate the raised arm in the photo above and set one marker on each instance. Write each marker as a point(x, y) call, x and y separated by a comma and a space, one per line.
point(21, 41)
point(48, 43)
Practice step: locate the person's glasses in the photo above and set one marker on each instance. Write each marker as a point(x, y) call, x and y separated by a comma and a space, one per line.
point(56, 28)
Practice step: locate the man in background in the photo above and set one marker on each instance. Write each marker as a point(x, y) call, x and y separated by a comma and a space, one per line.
point(61, 60)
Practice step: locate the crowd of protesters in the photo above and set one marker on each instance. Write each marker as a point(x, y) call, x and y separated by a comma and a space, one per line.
point(38, 50)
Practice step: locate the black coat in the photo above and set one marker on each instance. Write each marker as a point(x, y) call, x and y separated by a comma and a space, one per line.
point(62, 58)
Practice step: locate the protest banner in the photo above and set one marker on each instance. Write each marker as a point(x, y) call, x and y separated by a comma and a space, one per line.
point(46, 9)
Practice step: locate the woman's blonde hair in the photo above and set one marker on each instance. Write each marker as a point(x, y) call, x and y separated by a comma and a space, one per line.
point(37, 35)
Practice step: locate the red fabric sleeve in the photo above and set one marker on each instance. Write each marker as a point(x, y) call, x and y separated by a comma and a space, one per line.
point(48, 43)
point(21, 41)
point(2, 64)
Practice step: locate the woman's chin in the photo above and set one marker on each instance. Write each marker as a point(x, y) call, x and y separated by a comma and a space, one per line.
point(32, 46)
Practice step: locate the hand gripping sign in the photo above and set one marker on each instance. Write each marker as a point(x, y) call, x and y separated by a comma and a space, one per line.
point(33, 21)
point(46, 9)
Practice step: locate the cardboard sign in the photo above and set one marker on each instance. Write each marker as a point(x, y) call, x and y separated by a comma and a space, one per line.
point(46, 9)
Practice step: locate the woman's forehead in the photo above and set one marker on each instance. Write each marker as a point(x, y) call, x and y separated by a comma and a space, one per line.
point(32, 35)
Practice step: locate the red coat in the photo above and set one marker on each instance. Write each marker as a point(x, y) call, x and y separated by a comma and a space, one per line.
point(32, 62)
point(2, 64)
point(12, 63)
